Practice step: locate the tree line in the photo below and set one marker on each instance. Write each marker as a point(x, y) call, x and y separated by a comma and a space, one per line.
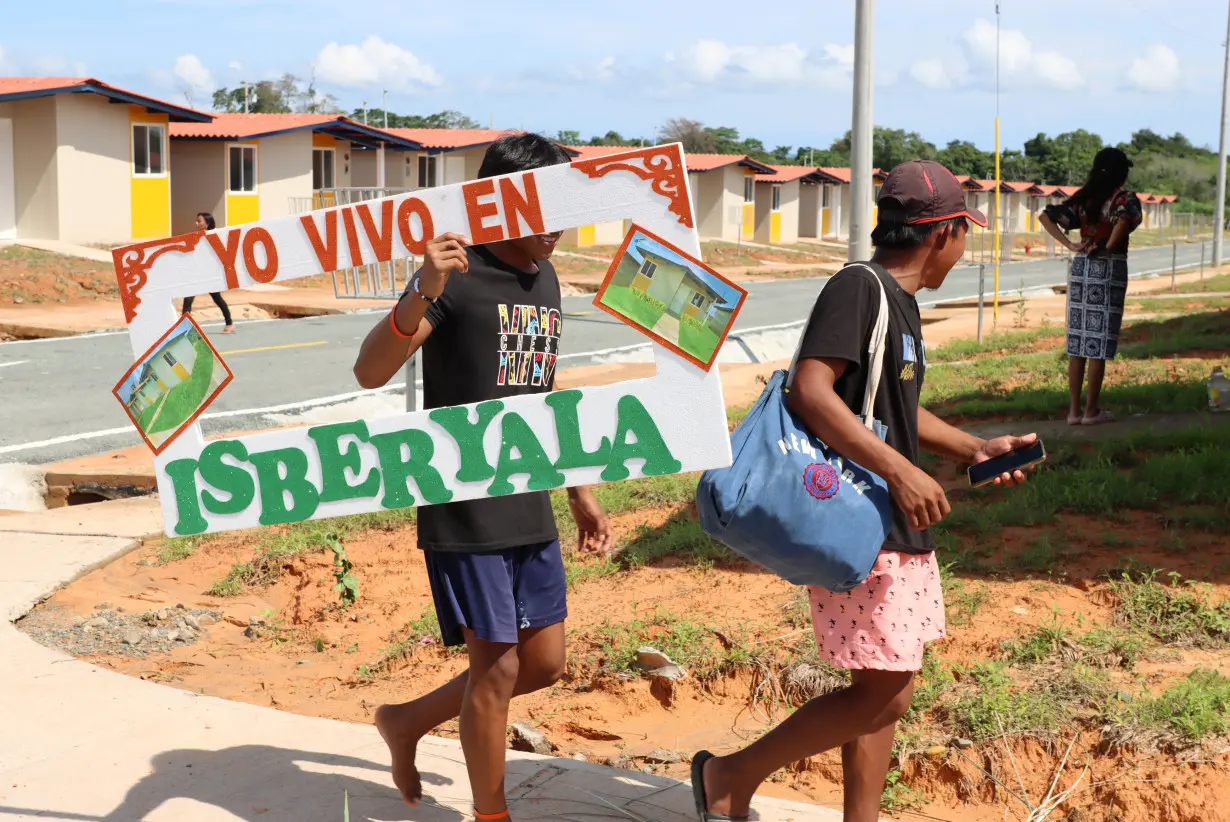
point(1163, 165)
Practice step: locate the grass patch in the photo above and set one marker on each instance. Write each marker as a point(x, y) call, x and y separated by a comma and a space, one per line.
point(988, 702)
point(1221, 282)
point(681, 538)
point(962, 600)
point(183, 400)
point(178, 548)
point(1102, 647)
point(1001, 343)
point(696, 339)
point(706, 652)
point(147, 416)
point(1187, 714)
point(1180, 612)
point(419, 633)
point(637, 306)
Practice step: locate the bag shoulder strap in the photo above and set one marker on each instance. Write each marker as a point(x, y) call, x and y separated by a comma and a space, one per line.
point(879, 342)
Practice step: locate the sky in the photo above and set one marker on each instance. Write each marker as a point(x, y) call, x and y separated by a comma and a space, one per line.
point(782, 75)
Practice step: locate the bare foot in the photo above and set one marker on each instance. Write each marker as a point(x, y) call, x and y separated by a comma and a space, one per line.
point(230, 329)
point(402, 742)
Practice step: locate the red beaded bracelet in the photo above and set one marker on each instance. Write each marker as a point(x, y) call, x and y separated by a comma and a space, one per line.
point(393, 325)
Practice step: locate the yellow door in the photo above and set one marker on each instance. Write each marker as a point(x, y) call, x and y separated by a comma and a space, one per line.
point(150, 173)
point(749, 220)
point(825, 221)
point(691, 310)
point(180, 371)
point(242, 208)
point(585, 236)
point(775, 227)
point(162, 386)
point(640, 282)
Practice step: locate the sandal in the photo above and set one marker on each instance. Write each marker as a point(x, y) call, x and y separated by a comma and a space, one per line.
point(1103, 416)
point(698, 792)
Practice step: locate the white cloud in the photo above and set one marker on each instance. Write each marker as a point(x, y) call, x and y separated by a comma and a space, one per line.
point(1157, 69)
point(713, 61)
point(932, 73)
point(193, 74)
point(374, 62)
point(235, 65)
point(1019, 63)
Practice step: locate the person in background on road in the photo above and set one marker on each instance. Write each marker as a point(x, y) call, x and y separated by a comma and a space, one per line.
point(878, 630)
point(1097, 281)
point(494, 564)
point(205, 222)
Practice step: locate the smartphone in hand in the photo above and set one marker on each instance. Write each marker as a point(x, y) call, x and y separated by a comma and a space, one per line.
point(985, 473)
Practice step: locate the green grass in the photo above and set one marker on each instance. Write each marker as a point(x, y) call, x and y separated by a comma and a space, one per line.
point(1193, 711)
point(1180, 612)
point(1178, 306)
point(1024, 383)
point(147, 415)
point(639, 307)
point(177, 549)
point(1221, 282)
point(1103, 647)
point(697, 339)
point(989, 702)
point(183, 400)
point(705, 651)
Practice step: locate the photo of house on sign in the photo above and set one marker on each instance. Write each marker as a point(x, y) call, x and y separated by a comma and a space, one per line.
point(671, 296)
point(173, 383)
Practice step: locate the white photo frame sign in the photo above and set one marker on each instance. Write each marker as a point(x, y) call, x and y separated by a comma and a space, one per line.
point(672, 422)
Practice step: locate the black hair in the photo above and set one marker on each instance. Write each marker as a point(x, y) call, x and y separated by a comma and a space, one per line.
point(521, 152)
point(210, 223)
point(1109, 173)
point(904, 236)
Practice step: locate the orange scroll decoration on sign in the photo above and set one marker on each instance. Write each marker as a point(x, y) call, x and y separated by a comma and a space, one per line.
point(131, 263)
point(662, 166)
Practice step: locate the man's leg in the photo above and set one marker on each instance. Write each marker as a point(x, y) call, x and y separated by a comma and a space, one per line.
point(875, 700)
point(864, 767)
point(1097, 373)
point(484, 718)
point(540, 658)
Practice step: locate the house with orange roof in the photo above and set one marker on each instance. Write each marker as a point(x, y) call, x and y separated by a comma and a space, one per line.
point(779, 198)
point(1021, 208)
point(824, 211)
point(83, 161)
point(445, 156)
point(723, 188)
point(248, 167)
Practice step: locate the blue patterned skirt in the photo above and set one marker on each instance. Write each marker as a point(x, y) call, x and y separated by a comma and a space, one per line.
point(1097, 287)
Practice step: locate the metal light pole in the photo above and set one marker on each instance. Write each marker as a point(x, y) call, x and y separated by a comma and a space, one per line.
point(384, 106)
point(1219, 208)
point(861, 131)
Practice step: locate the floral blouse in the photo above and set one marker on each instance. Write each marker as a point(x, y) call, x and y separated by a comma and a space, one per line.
point(1122, 205)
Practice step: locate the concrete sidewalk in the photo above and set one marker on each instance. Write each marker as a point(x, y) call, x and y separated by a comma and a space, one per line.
point(83, 743)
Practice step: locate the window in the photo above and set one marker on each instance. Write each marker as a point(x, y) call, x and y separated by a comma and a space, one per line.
point(777, 198)
point(427, 170)
point(749, 189)
point(322, 168)
point(826, 196)
point(148, 150)
point(698, 299)
point(648, 268)
point(170, 360)
point(242, 169)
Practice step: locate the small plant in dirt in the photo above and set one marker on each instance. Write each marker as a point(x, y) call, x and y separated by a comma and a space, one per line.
point(1022, 307)
point(1180, 613)
point(423, 632)
point(177, 549)
point(987, 702)
point(704, 651)
point(899, 797)
point(347, 584)
point(961, 599)
point(1049, 641)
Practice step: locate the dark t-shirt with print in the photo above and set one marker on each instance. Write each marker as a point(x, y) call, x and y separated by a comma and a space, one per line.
point(495, 334)
point(840, 328)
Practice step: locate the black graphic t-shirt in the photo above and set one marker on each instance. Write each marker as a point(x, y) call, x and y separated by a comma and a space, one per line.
point(495, 334)
point(840, 328)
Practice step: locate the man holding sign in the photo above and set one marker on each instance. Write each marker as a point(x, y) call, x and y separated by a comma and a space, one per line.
point(488, 319)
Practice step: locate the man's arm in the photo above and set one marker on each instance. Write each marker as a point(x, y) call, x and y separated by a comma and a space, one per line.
point(824, 413)
point(947, 440)
point(403, 331)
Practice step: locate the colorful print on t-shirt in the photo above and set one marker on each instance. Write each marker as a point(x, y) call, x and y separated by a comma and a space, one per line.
point(529, 344)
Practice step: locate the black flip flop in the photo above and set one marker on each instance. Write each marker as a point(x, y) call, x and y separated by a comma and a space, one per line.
point(698, 792)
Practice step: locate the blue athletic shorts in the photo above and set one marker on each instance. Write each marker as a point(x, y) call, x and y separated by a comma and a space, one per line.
point(498, 593)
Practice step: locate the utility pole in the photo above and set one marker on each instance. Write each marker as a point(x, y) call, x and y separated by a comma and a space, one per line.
point(861, 130)
point(364, 112)
point(1219, 208)
point(245, 96)
point(998, 228)
point(384, 106)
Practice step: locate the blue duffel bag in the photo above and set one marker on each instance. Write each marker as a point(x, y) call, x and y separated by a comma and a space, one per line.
point(790, 503)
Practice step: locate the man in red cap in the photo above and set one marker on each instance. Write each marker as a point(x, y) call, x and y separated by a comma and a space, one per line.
point(878, 630)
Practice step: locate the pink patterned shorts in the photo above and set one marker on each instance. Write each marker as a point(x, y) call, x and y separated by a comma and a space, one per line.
point(886, 622)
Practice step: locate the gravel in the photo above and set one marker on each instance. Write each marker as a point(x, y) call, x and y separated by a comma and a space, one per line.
point(109, 632)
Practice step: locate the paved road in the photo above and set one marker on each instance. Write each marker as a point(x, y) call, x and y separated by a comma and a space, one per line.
point(56, 394)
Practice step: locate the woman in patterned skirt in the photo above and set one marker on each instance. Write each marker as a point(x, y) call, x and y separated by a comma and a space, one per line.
point(1097, 281)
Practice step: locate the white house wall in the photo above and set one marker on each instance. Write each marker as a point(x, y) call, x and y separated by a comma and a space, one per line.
point(35, 175)
point(199, 184)
point(285, 171)
point(95, 169)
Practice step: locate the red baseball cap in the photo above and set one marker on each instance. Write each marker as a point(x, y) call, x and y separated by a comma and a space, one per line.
point(923, 191)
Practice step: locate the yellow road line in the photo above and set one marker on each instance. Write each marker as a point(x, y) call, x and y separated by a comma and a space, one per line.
point(274, 347)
